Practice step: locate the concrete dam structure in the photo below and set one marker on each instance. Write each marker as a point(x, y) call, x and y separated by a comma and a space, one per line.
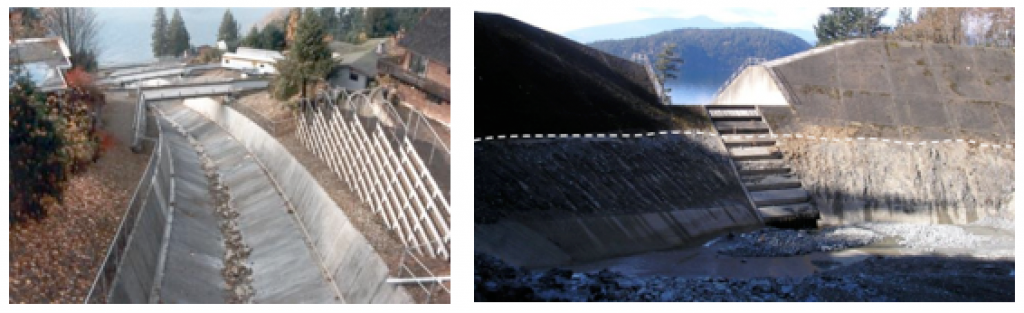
point(865, 130)
point(903, 131)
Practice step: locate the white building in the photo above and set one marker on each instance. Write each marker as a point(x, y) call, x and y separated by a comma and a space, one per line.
point(43, 60)
point(254, 60)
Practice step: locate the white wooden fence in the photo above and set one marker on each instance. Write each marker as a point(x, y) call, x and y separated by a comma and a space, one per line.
point(359, 141)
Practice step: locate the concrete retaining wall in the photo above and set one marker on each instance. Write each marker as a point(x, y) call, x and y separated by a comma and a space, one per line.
point(889, 89)
point(873, 181)
point(360, 273)
point(555, 202)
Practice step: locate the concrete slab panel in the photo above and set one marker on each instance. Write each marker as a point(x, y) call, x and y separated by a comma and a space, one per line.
point(975, 116)
point(949, 56)
point(923, 111)
point(994, 60)
point(906, 53)
point(913, 79)
point(962, 82)
point(819, 69)
point(1005, 113)
point(1000, 87)
point(869, 51)
point(870, 77)
point(867, 107)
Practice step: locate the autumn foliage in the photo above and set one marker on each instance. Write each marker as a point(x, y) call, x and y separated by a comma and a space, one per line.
point(52, 137)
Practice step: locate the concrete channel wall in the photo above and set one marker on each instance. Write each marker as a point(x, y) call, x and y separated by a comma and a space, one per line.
point(899, 90)
point(358, 271)
point(135, 278)
point(561, 201)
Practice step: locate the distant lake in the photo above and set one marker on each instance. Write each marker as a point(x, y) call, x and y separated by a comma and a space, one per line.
point(126, 33)
point(697, 88)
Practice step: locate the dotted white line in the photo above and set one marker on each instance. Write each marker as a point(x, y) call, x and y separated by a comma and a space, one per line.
point(735, 137)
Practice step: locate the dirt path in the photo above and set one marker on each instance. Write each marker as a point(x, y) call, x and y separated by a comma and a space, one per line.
point(54, 260)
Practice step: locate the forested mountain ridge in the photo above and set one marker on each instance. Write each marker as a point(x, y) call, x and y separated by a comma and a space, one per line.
point(656, 25)
point(710, 51)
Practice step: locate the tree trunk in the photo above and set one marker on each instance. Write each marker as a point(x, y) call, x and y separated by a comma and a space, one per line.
point(303, 88)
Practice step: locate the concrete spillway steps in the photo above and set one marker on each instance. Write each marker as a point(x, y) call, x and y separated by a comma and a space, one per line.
point(284, 267)
point(754, 153)
point(779, 196)
point(733, 141)
point(770, 182)
point(761, 167)
point(741, 127)
point(774, 190)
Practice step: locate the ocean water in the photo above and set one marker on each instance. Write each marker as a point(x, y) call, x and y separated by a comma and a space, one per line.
point(125, 34)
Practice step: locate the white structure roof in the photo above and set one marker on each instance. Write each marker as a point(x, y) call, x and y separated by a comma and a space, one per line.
point(43, 60)
point(255, 54)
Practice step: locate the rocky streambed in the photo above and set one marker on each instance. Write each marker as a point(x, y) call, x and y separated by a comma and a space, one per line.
point(863, 262)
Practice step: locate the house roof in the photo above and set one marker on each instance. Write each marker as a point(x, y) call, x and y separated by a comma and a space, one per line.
point(255, 54)
point(431, 37)
point(362, 57)
point(43, 60)
point(364, 62)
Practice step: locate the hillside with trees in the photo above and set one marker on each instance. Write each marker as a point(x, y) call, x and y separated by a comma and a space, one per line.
point(710, 52)
point(990, 27)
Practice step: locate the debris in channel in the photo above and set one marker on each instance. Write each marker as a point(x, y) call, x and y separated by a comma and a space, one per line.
point(237, 273)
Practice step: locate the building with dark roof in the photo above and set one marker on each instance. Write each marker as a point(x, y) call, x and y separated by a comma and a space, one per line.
point(419, 66)
point(355, 65)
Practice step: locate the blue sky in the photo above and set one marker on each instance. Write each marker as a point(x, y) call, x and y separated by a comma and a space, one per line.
point(555, 20)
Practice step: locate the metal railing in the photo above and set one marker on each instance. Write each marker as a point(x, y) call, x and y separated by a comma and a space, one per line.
point(412, 270)
point(368, 145)
point(746, 63)
point(158, 163)
point(646, 62)
point(195, 90)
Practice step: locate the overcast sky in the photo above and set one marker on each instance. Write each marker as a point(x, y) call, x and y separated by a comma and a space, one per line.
point(561, 20)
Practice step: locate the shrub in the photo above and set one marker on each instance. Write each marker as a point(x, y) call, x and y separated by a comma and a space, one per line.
point(37, 174)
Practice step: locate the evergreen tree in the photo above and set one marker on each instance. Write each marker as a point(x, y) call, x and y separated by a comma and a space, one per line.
point(844, 23)
point(177, 36)
point(272, 38)
point(228, 31)
point(309, 58)
point(380, 21)
point(160, 44)
point(330, 18)
point(251, 39)
point(667, 68)
point(357, 25)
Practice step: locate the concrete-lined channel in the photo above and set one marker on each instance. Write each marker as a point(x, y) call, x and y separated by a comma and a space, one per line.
point(303, 248)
